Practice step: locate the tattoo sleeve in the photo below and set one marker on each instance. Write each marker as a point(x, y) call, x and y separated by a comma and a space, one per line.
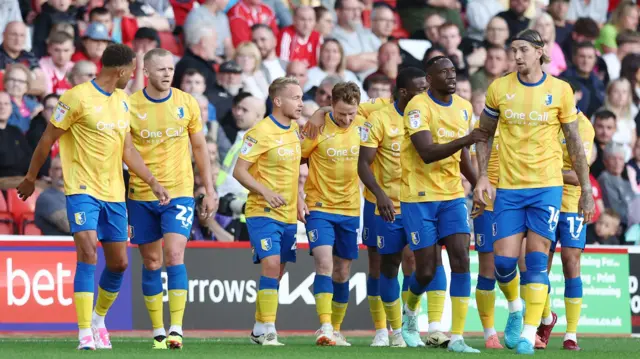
point(576, 152)
point(483, 149)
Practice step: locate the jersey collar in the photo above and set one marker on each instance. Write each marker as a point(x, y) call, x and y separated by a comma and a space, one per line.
point(395, 105)
point(533, 84)
point(144, 91)
point(444, 104)
point(93, 82)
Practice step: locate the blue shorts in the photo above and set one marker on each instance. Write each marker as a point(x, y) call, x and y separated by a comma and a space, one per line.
point(369, 224)
point(149, 221)
point(426, 223)
point(482, 226)
point(269, 237)
point(390, 238)
point(535, 209)
point(571, 231)
point(338, 231)
point(109, 219)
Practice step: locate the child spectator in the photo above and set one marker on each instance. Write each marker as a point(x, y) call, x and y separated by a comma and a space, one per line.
point(58, 63)
point(605, 230)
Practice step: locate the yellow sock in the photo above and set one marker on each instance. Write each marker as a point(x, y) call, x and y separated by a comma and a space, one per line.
point(338, 311)
point(104, 301)
point(573, 307)
point(268, 302)
point(435, 305)
point(405, 296)
point(413, 301)
point(84, 307)
point(547, 307)
point(154, 307)
point(258, 314)
point(459, 308)
point(523, 291)
point(323, 307)
point(535, 299)
point(377, 312)
point(510, 289)
point(394, 314)
point(177, 303)
point(486, 301)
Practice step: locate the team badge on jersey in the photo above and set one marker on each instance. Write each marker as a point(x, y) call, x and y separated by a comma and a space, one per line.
point(415, 238)
point(265, 244)
point(61, 112)
point(414, 119)
point(465, 115)
point(480, 240)
point(313, 235)
point(180, 113)
point(126, 107)
point(380, 242)
point(249, 142)
point(548, 99)
point(80, 218)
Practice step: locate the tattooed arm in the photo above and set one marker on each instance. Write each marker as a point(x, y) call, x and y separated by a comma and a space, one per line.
point(580, 166)
point(483, 153)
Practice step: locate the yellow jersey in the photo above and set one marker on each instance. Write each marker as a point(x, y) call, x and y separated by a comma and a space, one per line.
point(364, 110)
point(384, 131)
point(160, 130)
point(274, 151)
point(96, 123)
point(530, 116)
point(333, 185)
point(440, 180)
point(570, 193)
point(493, 167)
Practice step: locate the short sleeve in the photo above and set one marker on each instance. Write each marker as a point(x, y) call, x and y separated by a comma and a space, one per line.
point(372, 132)
point(307, 146)
point(491, 105)
point(195, 122)
point(253, 146)
point(67, 111)
point(416, 116)
point(568, 111)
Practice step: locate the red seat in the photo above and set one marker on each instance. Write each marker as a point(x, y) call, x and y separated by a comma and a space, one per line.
point(6, 218)
point(28, 226)
point(169, 42)
point(20, 209)
point(3, 204)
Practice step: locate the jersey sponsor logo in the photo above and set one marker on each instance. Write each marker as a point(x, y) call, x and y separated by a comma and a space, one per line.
point(380, 242)
point(104, 126)
point(312, 235)
point(249, 142)
point(548, 99)
point(414, 118)
point(266, 244)
point(443, 132)
point(80, 218)
point(533, 116)
point(126, 107)
point(343, 152)
point(61, 111)
point(169, 132)
point(180, 112)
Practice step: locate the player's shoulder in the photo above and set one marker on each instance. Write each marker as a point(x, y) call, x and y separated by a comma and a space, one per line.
point(368, 107)
point(418, 102)
point(558, 85)
point(137, 97)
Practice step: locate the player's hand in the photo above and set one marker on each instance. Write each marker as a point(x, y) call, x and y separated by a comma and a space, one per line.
point(315, 125)
point(303, 211)
point(586, 205)
point(477, 135)
point(26, 188)
point(160, 192)
point(209, 206)
point(386, 208)
point(275, 200)
point(484, 191)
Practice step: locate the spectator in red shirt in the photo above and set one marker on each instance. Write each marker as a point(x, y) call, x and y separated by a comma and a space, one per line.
point(300, 42)
point(94, 42)
point(247, 13)
point(124, 24)
point(58, 63)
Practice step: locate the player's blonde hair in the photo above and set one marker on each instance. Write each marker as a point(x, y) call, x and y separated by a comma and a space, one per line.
point(347, 92)
point(156, 52)
point(280, 84)
point(533, 37)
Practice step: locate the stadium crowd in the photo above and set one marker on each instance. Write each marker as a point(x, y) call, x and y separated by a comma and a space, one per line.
point(227, 52)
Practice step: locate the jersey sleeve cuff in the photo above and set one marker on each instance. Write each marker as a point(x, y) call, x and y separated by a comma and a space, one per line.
point(491, 112)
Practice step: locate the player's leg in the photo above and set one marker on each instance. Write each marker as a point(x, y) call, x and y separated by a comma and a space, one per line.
point(453, 228)
point(112, 232)
point(522, 268)
point(345, 250)
point(486, 283)
point(144, 231)
point(436, 295)
point(549, 318)
point(265, 235)
point(391, 243)
point(373, 281)
point(321, 235)
point(83, 212)
point(408, 267)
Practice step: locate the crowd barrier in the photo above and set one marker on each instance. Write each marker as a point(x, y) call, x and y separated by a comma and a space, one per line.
point(36, 290)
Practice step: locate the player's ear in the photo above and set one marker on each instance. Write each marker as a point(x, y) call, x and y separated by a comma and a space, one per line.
point(277, 101)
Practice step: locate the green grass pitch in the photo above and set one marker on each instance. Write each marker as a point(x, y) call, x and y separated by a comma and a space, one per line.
point(296, 347)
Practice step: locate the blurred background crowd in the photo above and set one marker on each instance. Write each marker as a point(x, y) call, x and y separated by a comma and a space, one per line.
point(227, 52)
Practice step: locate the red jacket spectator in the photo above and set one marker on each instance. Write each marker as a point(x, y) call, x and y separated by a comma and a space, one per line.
point(292, 47)
point(597, 195)
point(247, 13)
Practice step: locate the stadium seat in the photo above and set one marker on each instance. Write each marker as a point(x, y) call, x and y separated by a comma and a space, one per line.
point(21, 209)
point(170, 42)
point(6, 219)
point(28, 226)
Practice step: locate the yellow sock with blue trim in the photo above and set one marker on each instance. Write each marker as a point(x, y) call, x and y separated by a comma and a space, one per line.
point(83, 296)
point(375, 304)
point(460, 292)
point(390, 295)
point(405, 288)
point(152, 292)
point(108, 290)
point(573, 302)
point(323, 293)
point(339, 304)
point(416, 290)
point(268, 299)
point(436, 295)
point(537, 290)
point(546, 311)
point(177, 283)
point(486, 301)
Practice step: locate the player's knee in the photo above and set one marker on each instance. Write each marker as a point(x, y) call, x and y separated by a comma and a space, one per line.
point(341, 270)
point(87, 255)
point(270, 266)
point(408, 262)
point(152, 263)
point(388, 267)
point(374, 263)
point(424, 274)
point(118, 265)
point(505, 268)
point(174, 257)
point(571, 262)
point(459, 261)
